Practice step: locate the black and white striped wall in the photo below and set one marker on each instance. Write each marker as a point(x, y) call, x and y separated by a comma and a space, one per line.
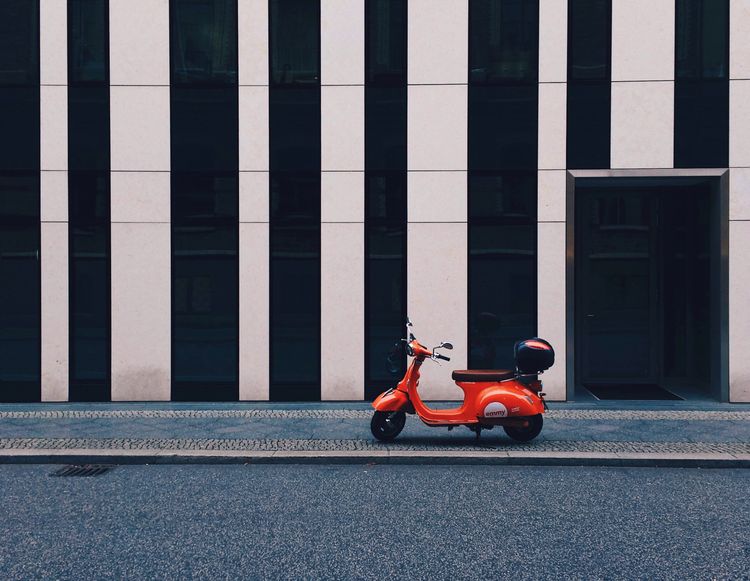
point(292, 216)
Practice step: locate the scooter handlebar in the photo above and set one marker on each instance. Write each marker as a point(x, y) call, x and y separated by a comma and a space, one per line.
point(443, 357)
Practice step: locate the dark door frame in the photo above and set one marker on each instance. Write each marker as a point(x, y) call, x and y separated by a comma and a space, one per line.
point(719, 276)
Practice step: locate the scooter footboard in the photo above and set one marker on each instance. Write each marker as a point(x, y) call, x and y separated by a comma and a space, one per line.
point(393, 400)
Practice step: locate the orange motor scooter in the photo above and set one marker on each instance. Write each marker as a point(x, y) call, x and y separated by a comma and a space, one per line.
point(512, 399)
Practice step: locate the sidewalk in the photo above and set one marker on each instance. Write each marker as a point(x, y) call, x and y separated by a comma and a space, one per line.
point(626, 434)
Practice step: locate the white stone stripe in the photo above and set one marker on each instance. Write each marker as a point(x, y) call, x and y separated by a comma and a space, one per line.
point(55, 323)
point(342, 42)
point(141, 312)
point(553, 41)
point(252, 29)
point(254, 309)
point(53, 42)
point(342, 311)
point(53, 252)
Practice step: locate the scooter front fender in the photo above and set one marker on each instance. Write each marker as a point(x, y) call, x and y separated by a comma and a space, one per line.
point(393, 400)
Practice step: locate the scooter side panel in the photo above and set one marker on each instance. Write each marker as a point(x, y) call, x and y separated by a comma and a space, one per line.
point(507, 400)
point(392, 400)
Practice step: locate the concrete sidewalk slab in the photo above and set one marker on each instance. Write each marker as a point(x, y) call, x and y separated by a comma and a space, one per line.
point(323, 433)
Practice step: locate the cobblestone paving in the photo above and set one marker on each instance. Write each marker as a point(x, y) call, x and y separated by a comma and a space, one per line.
point(353, 445)
point(360, 414)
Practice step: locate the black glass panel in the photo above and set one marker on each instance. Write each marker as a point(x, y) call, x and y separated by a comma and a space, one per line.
point(295, 129)
point(19, 128)
point(205, 312)
point(386, 42)
point(295, 287)
point(503, 127)
point(295, 198)
point(685, 215)
point(504, 43)
point(19, 43)
point(204, 41)
point(589, 39)
point(502, 248)
point(204, 128)
point(502, 292)
point(702, 39)
point(386, 197)
point(510, 197)
point(385, 128)
point(88, 128)
point(701, 124)
point(19, 199)
point(386, 293)
point(204, 198)
point(588, 133)
point(89, 286)
point(19, 292)
point(88, 40)
point(295, 41)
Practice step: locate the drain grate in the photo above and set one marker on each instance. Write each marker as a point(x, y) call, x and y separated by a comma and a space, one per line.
point(85, 470)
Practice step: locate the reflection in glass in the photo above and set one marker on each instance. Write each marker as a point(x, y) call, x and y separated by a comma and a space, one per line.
point(295, 286)
point(19, 43)
point(702, 39)
point(88, 51)
point(205, 312)
point(385, 134)
point(589, 39)
point(502, 266)
point(20, 315)
point(701, 124)
point(295, 42)
point(588, 131)
point(204, 128)
point(702, 84)
point(19, 136)
point(503, 127)
point(88, 128)
point(205, 200)
point(503, 45)
point(89, 216)
point(204, 42)
point(294, 116)
point(386, 42)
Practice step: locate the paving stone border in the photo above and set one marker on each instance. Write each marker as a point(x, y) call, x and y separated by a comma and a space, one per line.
point(689, 415)
point(341, 445)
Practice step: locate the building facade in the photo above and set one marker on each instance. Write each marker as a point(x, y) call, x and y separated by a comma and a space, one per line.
point(222, 200)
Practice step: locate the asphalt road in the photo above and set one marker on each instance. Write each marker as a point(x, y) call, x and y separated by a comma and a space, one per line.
point(385, 522)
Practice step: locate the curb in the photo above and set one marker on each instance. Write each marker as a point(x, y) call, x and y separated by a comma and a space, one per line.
point(170, 457)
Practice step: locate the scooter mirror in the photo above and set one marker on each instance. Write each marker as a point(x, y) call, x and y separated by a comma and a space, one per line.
point(448, 346)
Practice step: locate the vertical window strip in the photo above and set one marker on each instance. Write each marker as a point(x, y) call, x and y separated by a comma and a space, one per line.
point(589, 99)
point(385, 191)
point(502, 185)
point(295, 185)
point(89, 200)
point(701, 124)
point(204, 110)
point(20, 290)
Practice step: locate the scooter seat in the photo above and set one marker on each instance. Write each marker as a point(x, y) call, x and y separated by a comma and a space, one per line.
point(483, 375)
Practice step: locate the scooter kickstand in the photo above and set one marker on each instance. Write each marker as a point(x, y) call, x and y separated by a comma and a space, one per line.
point(478, 432)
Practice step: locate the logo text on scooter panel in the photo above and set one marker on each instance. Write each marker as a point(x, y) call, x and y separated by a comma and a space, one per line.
point(495, 410)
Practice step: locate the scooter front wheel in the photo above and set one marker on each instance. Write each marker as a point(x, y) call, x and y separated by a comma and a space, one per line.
point(529, 432)
point(385, 426)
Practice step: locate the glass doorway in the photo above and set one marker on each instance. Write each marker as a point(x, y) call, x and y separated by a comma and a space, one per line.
point(645, 309)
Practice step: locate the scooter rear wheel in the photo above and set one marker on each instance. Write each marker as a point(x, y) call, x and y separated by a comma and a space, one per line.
point(385, 426)
point(529, 432)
